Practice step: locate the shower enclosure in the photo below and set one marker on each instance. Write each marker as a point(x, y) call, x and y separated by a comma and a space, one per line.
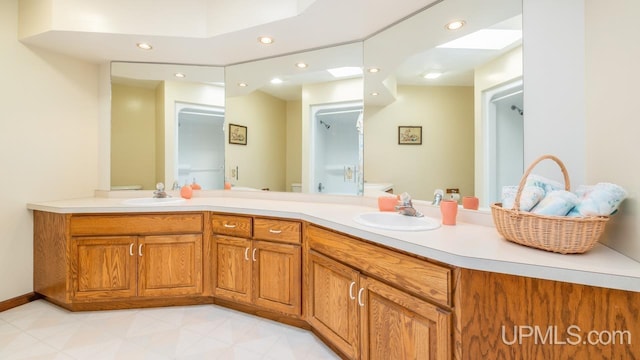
point(505, 138)
point(337, 148)
point(200, 150)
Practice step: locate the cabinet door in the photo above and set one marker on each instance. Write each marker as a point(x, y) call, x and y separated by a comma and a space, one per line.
point(332, 305)
point(170, 265)
point(396, 325)
point(277, 276)
point(233, 268)
point(103, 267)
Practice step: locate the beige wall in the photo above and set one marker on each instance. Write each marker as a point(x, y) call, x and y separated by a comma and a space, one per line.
point(612, 126)
point(262, 162)
point(48, 142)
point(133, 134)
point(294, 143)
point(445, 158)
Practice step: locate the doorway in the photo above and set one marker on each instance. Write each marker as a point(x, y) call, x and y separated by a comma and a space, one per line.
point(200, 150)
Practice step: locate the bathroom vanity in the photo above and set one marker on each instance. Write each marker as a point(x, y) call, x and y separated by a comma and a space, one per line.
point(457, 292)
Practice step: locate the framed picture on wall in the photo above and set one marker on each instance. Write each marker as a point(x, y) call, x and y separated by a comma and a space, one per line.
point(237, 134)
point(409, 135)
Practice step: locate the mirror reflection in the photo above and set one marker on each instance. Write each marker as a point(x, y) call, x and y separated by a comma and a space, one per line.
point(456, 121)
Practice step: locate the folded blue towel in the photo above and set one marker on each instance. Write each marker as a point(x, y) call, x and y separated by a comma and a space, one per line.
point(556, 203)
point(542, 182)
point(530, 196)
point(601, 199)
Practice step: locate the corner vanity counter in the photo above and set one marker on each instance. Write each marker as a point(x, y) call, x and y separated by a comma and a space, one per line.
point(455, 292)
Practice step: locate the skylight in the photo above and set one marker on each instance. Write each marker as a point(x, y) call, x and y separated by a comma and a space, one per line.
point(486, 39)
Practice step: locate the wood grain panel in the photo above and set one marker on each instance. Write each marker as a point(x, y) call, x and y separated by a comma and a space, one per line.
point(513, 317)
point(138, 224)
point(277, 276)
point(51, 276)
point(170, 265)
point(396, 325)
point(414, 275)
point(233, 268)
point(232, 225)
point(277, 230)
point(332, 307)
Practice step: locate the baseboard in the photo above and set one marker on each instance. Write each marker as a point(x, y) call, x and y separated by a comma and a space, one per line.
point(18, 300)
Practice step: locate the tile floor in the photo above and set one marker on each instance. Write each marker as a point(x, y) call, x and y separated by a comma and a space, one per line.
point(40, 330)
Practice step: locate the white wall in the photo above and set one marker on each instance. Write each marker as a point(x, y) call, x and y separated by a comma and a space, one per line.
point(48, 142)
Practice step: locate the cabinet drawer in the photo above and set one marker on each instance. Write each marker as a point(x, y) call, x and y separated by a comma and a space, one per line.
point(138, 224)
point(231, 225)
point(405, 272)
point(277, 230)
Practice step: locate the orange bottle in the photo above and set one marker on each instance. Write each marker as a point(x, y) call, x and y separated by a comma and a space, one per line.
point(186, 192)
point(195, 185)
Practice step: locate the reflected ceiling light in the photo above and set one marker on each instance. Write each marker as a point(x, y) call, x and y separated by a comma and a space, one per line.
point(485, 39)
point(276, 81)
point(373, 70)
point(455, 25)
point(301, 65)
point(242, 84)
point(374, 94)
point(345, 71)
point(144, 46)
point(432, 75)
point(266, 40)
point(180, 75)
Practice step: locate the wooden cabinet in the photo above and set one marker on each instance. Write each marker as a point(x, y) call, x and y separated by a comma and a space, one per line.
point(117, 260)
point(365, 318)
point(258, 262)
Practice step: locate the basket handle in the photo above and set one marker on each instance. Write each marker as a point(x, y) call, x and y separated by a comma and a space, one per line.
point(565, 174)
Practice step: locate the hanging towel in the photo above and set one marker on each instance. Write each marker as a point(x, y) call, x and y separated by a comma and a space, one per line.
point(556, 203)
point(601, 199)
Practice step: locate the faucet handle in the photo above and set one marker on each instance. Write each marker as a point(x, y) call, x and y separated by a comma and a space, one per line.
point(160, 186)
point(405, 198)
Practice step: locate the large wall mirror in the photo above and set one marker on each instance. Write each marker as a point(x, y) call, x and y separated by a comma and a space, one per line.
point(421, 131)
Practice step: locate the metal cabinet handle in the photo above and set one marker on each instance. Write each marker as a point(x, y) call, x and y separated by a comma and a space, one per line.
point(360, 297)
point(275, 231)
point(131, 249)
point(246, 254)
point(230, 225)
point(253, 255)
point(140, 249)
point(352, 296)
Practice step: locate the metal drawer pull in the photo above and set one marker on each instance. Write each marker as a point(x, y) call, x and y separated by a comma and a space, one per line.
point(246, 254)
point(360, 297)
point(131, 249)
point(275, 231)
point(230, 225)
point(253, 255)
point(351, 295)
point(140, 249)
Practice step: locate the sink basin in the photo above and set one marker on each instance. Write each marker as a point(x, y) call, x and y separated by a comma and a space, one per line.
point(395, 221)
point(153, 201)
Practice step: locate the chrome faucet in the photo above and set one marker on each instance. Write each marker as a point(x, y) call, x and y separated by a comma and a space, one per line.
point(159, 193)
point(406, 206)
point(437, 197)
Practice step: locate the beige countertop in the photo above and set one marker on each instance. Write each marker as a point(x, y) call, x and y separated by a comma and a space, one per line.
point(473, 243)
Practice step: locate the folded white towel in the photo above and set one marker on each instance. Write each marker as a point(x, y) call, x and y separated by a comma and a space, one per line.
point(556, 203)
point(601, 199)
point(530, 196)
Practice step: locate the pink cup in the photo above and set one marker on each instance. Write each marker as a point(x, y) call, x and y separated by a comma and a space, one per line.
point(470, 202)
point(449, 210)
point(387, 203)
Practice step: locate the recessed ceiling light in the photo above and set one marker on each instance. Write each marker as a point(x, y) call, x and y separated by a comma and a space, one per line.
point(485, 39)
point(374, 94)
point(276, 81)
point(242, 84)
point(432, 75)
point(373, 70)
point(345, 71)
point(266, 40)
point(455, 25)
point(302, 65)
point(180, 75)
point(144, 46)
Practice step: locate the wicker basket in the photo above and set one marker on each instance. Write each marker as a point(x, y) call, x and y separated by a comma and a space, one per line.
point(561, 234)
